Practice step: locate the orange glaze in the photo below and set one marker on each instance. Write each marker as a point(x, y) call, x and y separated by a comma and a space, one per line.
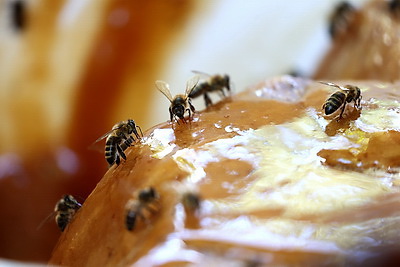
point(270, 194)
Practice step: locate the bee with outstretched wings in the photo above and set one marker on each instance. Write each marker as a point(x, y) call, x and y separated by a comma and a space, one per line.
point(180, 103)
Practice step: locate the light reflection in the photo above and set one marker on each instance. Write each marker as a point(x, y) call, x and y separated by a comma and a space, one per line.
point(160, 142)
point(119, 17)
point(237, 232)
point(380, 119)
point(67, 160)
point(10, 165)
point(172, 250)
point(217, 125)
point(71, 10)
point(179, 217)
point(194, 162)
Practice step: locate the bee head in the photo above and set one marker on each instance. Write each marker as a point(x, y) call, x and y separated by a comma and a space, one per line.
point(178, 110)
point(191, 201)
point(69, 202)
point(147, 194)
point(131, 126)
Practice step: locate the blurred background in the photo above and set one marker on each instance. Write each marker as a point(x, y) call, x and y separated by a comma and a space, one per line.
point(71, 69)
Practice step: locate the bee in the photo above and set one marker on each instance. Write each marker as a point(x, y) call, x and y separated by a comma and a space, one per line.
point(144, 206)
point(216, 83)
point(340, 18)
point(180, 103)
point(340, 98)
point(65, 210)
point(394, 7)
point(119, 138)
point(191, 201)
point(18, 9)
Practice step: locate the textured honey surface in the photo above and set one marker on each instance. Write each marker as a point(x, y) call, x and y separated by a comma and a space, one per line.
point(280, 184)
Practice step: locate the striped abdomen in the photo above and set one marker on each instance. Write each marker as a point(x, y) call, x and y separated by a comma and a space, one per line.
point(130, 219)
point(334, 102)
point(111, 149)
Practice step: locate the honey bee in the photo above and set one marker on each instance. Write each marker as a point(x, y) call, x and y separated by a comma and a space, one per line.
point(394, 7)
point(180, 103)
point(144, 206)
point(119, 138)
point(340, 98)
point(340, 18)
point(216, 83)
point(65, 209)
point(18, 10)
point(191, 201)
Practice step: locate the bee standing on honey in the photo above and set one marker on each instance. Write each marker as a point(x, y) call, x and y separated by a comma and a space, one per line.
point(191, 201)
point(143, 206)
point(340, 98)
point(216, 83)
point(118, 140)
point(65, 209)
point(340, 18)
point(180, 103)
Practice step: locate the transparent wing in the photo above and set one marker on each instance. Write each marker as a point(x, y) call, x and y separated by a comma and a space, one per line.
point(106, 134)
point(201, 74)
point(163, 87)
point(191, 84)
point(94, 146)
point(45, 220)
point(335, 85)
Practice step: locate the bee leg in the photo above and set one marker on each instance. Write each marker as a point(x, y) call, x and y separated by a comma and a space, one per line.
point(121, 152)
point(117, 160)
point(127, 143)
point(359, 102)
point(141, 133)
point(183, 119)
point(223, 92)
point(152, 209)
point(191, 106)
point(207, 99)
point(171, 116)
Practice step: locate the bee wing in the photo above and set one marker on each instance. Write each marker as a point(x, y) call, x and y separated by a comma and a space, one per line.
point(335, 85)
point(191, 84)
point(201, 74)
point(163, 87)
point(45, 220)
point(95, 146)
point(106, 134)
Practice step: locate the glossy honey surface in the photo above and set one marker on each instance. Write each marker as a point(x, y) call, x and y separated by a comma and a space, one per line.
point(280, 183)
